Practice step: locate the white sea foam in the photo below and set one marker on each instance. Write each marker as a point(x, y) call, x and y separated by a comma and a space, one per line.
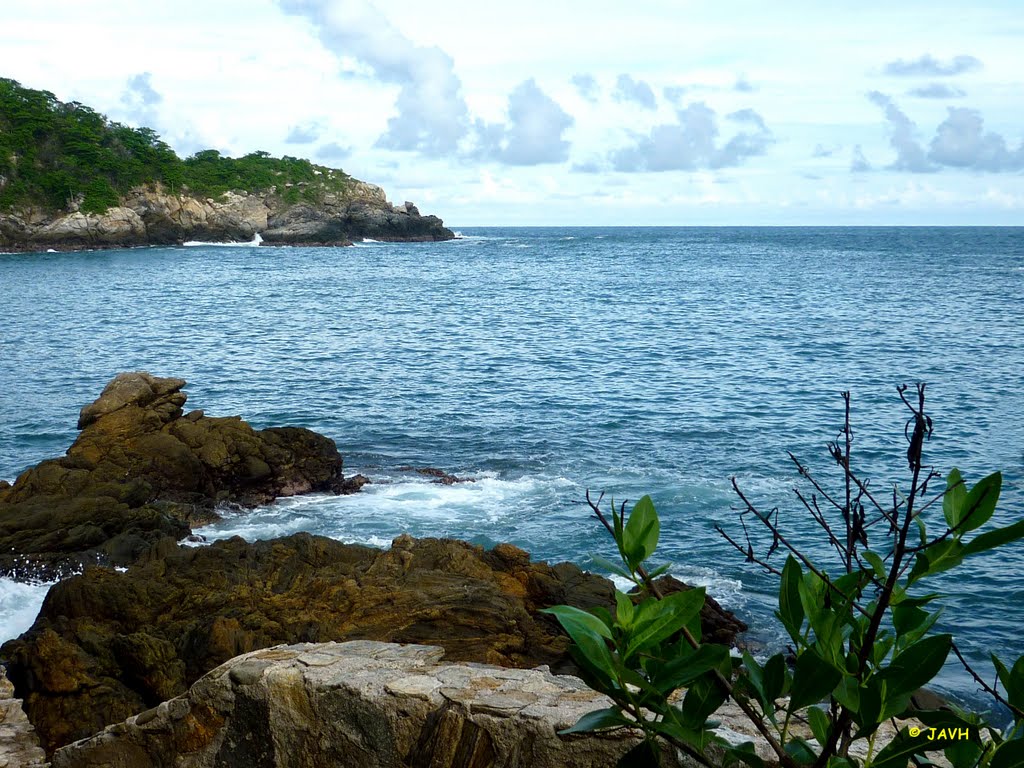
point(370, 240)
point(390, 506)
point(256, 240)
point(19, 606)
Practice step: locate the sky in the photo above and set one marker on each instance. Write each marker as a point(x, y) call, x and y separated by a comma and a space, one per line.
point(664, 112)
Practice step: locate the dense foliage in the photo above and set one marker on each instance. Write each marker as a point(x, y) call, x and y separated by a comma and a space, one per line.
point(862, 635)
point(53, 154)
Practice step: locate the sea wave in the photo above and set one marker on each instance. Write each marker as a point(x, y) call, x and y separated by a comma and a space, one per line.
point(256, 240)
point(19, 605)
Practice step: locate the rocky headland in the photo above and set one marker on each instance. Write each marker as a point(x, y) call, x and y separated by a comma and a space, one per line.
point(142, 472)
point(151, 215)
point(112, 642)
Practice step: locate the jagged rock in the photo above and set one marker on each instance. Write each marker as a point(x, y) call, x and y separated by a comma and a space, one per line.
point(381, 705)
point(366, 704)
point(19, 747)
point(150, 215)
point(440, 476)
point(141, 470)
point(107, 644)
point(117, 226)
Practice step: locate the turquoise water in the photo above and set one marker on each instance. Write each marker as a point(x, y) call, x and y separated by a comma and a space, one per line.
point(547, 361)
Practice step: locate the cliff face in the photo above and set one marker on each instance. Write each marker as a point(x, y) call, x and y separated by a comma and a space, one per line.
point(151, 215)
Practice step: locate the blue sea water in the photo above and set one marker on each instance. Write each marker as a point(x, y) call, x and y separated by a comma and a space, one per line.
point(547, 361)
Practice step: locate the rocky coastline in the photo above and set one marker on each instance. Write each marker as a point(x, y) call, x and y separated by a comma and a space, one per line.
point(143, 617)
point(151, 215)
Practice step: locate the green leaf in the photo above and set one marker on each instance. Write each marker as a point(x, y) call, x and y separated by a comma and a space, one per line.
point(744, 754)
point(664, 568)
point(640, 536)
point(906, 618)
point(980, 504)
point(657, 620)
point(996, 538)
point(702, 699)
point(963, 754)
point(899, 751)
point(623, 609)
point(813, 679)
point(791, 610)
point(598, 720)
point(953, 499)
point(697, 738)
point(588, 633)
point(1012, 680)
point(800, 750)
point(913, 635)
point(876, 561)
point(574, 619)
point(755, 678)
point(939, 557)
point(607, 565)
point(1010, 754)
point(819, 723)
point(916, 665)
point(682, 670)
point(774, 678)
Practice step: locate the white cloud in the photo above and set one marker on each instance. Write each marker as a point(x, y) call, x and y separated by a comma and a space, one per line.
point(586, 86)
point(910, 156)
point(937, 91)
point(929, 66)
point(692, 142)
point(304, 134)
point(432, 114)
point(533, 133)
point(636, 91)
point(961, 142)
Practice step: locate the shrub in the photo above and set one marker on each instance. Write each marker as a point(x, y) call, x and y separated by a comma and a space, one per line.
point(863, 640)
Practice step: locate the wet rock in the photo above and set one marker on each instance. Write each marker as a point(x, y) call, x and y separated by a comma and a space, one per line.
point(440, 476)
point(140, 472)
point(107, 644)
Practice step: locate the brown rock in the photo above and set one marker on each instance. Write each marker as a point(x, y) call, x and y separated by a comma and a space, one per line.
point(114, 643)
point(140, 471)
point(372, 705)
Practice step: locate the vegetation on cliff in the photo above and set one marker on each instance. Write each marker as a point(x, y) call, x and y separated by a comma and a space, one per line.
point(55, 155)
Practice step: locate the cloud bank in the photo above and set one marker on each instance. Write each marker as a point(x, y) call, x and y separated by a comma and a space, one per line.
point(692, 142)
point(960, 141)
point(928, 66)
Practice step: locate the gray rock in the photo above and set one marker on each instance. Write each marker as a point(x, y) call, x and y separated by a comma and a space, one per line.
point(19, 746)
point(373, 705)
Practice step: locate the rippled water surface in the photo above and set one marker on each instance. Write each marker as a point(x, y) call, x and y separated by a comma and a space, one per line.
point(547, 361)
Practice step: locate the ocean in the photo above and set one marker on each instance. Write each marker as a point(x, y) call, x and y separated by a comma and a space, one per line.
point(543, 362)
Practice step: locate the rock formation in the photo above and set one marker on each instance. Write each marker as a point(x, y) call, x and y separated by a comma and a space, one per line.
point(107, 644)
point(366, 704)
point(151, 215)
point(142, 470)
point(19, 747)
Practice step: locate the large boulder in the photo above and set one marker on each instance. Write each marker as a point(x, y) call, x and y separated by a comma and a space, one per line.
point(373, 705)
point(108, 644)
point(142, 470)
